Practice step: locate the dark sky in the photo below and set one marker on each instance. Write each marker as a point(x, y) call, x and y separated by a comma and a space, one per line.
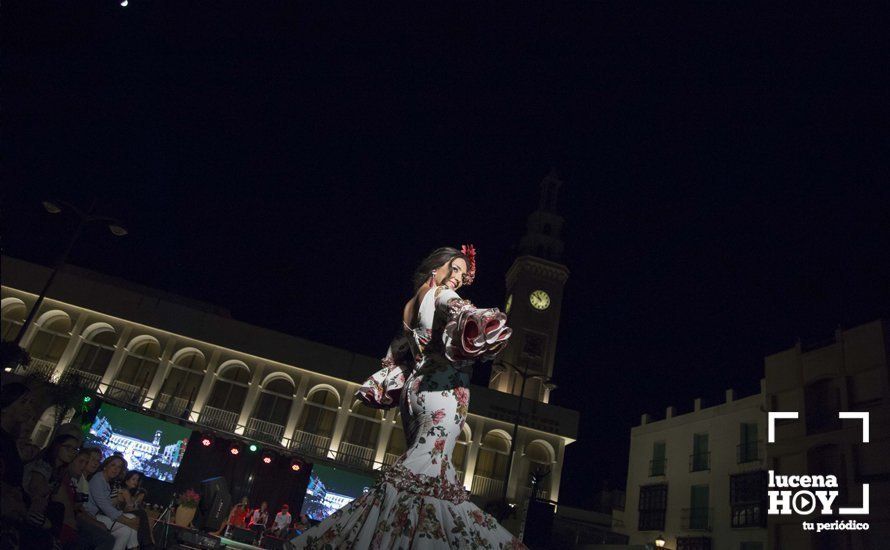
point(726, 173)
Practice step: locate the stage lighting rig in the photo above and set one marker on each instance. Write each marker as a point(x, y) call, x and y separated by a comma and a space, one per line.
point(235, 449)
point(267, 457)
point(206, 440)
point(296, 464)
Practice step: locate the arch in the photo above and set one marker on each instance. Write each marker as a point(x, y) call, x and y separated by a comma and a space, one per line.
point(143, 340)
point(540, 451)
point(96, 329)
point(498, 440)
point(325, 387)
point(187, 352)
point(51, 317)
point(9, 304)
point(230, 364)
point(280, 386)
point(278, 375)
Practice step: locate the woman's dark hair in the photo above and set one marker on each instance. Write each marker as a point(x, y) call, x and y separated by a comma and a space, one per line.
point(432, 262)
point(108, 461)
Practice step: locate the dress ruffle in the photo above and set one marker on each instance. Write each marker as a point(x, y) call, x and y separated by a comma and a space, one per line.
point(383, 389)
point(389, 518)
point(473, 333)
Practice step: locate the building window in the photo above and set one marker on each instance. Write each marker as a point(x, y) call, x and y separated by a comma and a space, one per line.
point(693, 543)
point(658, 464)
point(700, 459)
point(698, 517)
point(653, 505)
point(822, 401)
point(749, 447)
point(747, 499)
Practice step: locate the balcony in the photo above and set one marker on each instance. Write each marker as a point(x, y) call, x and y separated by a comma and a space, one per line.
point(171, 405)
point(218, 418)
point(459, 476)
point(750, 451)
point(390, 458)
point(310, 444)
point(699, 462)
point(268, 432)
point(487, 487)
point(355, 455)
point(126, 393)
point(42, 368)
point(81, 379)
point(657, 467)
point(697, 519)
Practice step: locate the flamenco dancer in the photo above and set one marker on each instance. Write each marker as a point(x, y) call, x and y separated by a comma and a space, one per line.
point(418, 502)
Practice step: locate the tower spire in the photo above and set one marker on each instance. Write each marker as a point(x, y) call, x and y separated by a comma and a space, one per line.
point(542, 236)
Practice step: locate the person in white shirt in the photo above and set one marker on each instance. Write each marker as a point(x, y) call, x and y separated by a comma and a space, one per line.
point(282, 521)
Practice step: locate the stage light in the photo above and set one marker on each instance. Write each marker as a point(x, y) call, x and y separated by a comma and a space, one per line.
point(253, 448)
point(267, 459)
point(296, 465)
point(87, 399)
point(206, 440)
point(235, 449)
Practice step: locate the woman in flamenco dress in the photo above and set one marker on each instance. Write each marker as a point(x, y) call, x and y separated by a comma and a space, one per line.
point(418, 501)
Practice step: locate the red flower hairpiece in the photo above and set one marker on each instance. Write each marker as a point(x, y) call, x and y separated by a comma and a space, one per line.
point(469, 251)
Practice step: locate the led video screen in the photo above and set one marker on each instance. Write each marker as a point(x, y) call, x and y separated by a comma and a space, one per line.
point(331, 489)
point(151, 446)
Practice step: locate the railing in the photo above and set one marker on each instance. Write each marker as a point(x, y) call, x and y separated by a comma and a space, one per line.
point(355, 455)
point(127, 393)
point(264, 431)
point(218, 418)
point(311, 444)
point(699, 462)
point(459, 475)
point(487, 487)
point(749, 451)
point(390, 458)
point(697, 519)
point(657, 467)
point(171, 405)
point(40, 367)
point(82, 379)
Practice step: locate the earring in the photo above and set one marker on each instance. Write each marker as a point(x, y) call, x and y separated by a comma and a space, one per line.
point(432, 279)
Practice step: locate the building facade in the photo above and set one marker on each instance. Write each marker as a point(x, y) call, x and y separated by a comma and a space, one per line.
point(190, 361)
point(848, 372)
point(698, 480)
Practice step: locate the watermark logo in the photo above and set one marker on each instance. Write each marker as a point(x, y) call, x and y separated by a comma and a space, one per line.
point(806, 494)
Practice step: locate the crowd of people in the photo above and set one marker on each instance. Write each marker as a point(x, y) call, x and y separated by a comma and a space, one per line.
point(66, 496)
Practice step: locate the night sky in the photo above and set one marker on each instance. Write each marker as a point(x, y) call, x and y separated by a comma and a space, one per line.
point(726, 173)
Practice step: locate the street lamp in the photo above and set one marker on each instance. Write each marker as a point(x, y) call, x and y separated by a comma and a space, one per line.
point(84, 218)
point(659, 541)
point(525, 376)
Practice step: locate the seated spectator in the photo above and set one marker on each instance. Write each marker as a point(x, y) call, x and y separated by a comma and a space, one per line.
point(130, 499)
point(93, 464)
point(91, 533)
point(124, 527)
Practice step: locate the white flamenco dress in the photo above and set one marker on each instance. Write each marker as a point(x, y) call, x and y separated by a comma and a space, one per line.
point(418, 502)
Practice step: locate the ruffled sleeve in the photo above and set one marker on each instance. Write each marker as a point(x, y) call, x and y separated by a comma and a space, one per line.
point(383, 388)
point(470, 332)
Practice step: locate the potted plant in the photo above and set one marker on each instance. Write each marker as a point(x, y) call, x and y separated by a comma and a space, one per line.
point(188, 505)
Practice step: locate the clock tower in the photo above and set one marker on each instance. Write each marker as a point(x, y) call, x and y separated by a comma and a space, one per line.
point(534, 300)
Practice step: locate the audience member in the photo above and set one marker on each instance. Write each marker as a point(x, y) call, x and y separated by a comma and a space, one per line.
point(123, 526)
point(91, 532)
point(130, 499)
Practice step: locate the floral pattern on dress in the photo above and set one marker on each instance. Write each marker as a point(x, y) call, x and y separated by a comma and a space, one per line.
point(419, 501)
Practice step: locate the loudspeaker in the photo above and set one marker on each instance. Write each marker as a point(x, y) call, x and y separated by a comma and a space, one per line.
point(241, 535)
point(215, 503)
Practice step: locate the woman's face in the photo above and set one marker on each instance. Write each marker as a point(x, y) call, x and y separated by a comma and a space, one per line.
point(244, 502)
point(451, 273)
point(113, 469)
point(264, 506)
point(93, 464)
point(132, 482)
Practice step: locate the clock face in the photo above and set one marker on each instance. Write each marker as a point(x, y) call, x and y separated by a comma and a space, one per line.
point(509, 303)
point(539, 299)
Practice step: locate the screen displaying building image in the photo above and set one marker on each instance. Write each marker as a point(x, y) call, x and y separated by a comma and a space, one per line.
point(331, 489)
point(151, 446)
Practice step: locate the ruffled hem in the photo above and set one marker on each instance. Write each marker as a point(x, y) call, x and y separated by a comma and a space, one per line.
point(389, 518)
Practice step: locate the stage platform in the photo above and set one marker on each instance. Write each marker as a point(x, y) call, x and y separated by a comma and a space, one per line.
point(229, 543)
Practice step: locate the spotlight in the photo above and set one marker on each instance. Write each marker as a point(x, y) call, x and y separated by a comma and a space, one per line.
point(87, 399)
point(235, 449)
point(296, 465)
point(207, 440)
point(267, 458)
point(253, 448)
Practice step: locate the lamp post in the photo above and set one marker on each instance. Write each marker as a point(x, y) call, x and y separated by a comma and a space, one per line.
point(84, 218)
point(525, 376)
